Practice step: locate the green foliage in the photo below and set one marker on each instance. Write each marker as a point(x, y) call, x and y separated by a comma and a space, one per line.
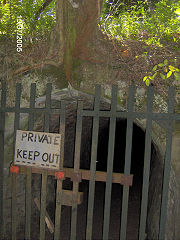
point(165, 70)
point(32, 29)
point(156, 23)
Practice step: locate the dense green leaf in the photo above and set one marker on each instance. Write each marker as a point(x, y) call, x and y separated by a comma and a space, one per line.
point(147, 82)
point(172, 68)
point(154, 68)
point(169, 74)
point(144, 79)
point(161, 65)
point(177, 11)
point(177, 76)
point(165, 62)
point(162, 76)
point(154, 76)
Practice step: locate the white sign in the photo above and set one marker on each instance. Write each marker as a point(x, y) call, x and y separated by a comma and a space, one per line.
point(37, 149)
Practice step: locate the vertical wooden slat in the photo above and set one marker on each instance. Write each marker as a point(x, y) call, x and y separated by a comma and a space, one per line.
point(44, 174)
point(28, 204)
point(14, 176)
point(43, 205)
point(127, 166)
point(32, 106)
point(112, 130)
point(2, 129)
point(14, 204)
point(47, 106)
point(29, 174)
point(76, 170)
point(59, 181)
point(17, 109)
point(95, 132)
point(58, 209)
point(147, 158)
point(167, 166)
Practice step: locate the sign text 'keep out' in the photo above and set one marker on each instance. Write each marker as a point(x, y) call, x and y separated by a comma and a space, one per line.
point(37, 149)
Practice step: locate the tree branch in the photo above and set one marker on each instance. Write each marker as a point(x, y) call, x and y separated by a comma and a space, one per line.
point(41, 9)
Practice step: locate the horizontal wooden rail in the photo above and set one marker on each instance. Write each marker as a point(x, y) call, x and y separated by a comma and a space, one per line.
point(99, 176)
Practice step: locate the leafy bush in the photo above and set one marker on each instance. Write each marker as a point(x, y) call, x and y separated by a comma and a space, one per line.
point(166, 70)
point(155, 24)
point(32, 28)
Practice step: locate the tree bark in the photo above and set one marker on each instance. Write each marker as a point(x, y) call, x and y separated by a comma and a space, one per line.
point(76, 21)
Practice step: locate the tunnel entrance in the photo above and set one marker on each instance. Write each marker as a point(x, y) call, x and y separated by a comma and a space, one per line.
point(137, 163)
point(134, 203)
point(97, 140)
point(135, 191)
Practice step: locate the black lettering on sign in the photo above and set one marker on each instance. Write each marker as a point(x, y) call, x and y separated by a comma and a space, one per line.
point(40, 138)
point(55, 140)
point(25, 154)
point(51, 158)
point(24, 135)
point(19, 153)
point(35, 136)
point(30, 155)
point(50, 139)
point(36, 154)
point(45, 139)
point(45, 157)
point(57, 158)
point(30, 136)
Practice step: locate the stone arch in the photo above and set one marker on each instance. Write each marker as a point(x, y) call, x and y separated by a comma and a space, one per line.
point(157, 155)
point(157, 159)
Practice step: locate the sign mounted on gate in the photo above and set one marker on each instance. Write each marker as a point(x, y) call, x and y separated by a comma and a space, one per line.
point(37, 149)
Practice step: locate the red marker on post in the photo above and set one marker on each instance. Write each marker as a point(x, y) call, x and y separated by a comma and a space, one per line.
point(59, 175)
point(14, 169)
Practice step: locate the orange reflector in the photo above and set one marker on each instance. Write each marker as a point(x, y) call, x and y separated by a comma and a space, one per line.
point(14, 169)
point(59, 175)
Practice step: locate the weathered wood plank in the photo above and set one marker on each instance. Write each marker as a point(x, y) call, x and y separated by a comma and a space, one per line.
point(99, 176)
point(2, 129)
point(29, 173)
point(48, 221)
point(127, 167)
point(147, 159)
point(167, 166)
point(111, 144)
point(59, 193)
point(76, 171)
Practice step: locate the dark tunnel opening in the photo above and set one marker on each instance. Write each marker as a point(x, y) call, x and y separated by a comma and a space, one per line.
point(137, 151)
point(135, 191)
point(137, 163)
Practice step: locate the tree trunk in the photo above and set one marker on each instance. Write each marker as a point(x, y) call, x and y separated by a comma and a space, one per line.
point(75, 25)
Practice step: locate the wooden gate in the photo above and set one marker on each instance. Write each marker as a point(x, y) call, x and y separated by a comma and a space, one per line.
point(73, 198)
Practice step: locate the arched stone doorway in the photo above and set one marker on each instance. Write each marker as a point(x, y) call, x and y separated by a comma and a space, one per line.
point(117, 190)
point(155, 188)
